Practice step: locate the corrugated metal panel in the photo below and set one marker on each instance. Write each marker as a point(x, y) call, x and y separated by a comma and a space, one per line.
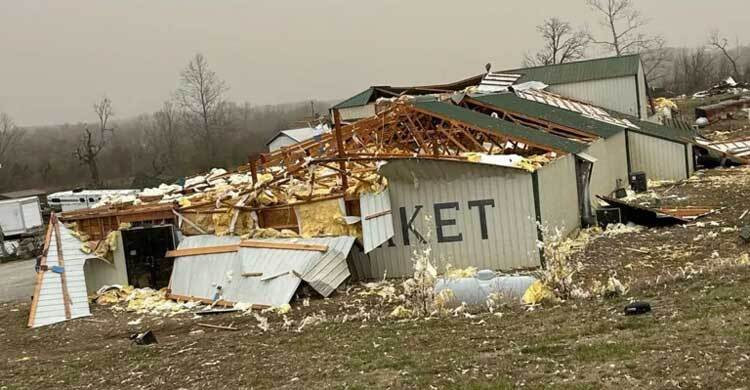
point(379, 229)
point(357, 112)
point(504, 195)
point(558, 195)
point(586, 110)
point(578, 71)
point(660, 159)
point(612, 165)
point(50, 307)
point(691, 165)
point(200, 276)
point(642, 96)
point(618, 94)
point(497, 81)
point(560, 116)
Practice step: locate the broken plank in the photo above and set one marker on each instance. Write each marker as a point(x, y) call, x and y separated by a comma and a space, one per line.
point(206, 250)
point(251, 274)
point(284, 245)
point(375, 215)
point(218, 327)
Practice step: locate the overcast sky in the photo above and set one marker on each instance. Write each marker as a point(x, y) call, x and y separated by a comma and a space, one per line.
point(57, 57)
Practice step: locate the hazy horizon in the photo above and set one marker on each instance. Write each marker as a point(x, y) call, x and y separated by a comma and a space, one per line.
point(59, 57)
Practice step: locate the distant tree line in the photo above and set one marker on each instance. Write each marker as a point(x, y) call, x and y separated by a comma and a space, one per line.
point(195, 130)
point(623, 32)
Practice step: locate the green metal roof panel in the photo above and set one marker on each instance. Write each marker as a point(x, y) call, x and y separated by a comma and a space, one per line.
point(505, 128)
point(655, 129)
point(573, 72)
point(357, 100)
point(513, 103)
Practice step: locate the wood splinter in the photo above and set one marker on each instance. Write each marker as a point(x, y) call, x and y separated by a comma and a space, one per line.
point(218, 327)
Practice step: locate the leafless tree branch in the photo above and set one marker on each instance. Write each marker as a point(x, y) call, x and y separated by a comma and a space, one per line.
point(561, 44)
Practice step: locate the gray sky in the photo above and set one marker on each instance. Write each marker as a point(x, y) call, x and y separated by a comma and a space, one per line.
point(57, 57)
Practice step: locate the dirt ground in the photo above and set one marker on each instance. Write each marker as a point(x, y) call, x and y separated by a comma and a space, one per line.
point(697, 336)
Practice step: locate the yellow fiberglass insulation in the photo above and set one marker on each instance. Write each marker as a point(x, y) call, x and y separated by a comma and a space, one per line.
point(324, 218)
point(203, 220)
point(221, 222)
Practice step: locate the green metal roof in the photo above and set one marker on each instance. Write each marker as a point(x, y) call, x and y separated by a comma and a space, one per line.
point(655, 129)
point(511, 130)
point(513, 103)
point(573, 72)
point(359, 99)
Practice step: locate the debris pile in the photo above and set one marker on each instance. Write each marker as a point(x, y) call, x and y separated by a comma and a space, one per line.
point(142, 301)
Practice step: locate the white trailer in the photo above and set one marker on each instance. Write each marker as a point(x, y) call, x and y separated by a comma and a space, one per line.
point(76, 200)
point(20, 216)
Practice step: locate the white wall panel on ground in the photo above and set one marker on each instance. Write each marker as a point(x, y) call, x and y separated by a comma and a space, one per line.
point(558, 195)
point(282, 270)
point(479, 215)
point(617, 94)
point(659, 158)
point(50, 305)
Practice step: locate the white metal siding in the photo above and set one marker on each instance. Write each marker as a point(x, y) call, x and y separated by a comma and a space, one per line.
point(612, 164)
point(100, 273)
point(691, 167)
point(558, 195)
point(280, 141)
point(50, 307)
point(659, 158)
point(358, 112)
point(510, 224)
point(642, 93)
point(377, 230)
point(199, 276)
point(617, 94)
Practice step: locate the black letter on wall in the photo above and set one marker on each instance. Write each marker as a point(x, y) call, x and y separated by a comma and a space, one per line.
point(440, 222)
point(482, 213)
point(407, 226)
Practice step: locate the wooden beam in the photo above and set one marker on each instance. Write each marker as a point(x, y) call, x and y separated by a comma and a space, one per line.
point(206, 250)
point(251, 274)
point(380, 214)
point(218, 327)
point(284, 245)
point(340, 147)
point(40, 274)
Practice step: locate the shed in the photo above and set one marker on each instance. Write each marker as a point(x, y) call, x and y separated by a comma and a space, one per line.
point(294, 136)
point(614, 83)
point(362, 105)
point(471, 214)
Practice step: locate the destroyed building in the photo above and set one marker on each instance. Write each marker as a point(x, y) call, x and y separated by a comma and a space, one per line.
point(476, 176)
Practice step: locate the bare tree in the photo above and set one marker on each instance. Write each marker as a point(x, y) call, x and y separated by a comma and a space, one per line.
point(721, 43)
point(91, 143)
point(562, 43)
point(164, 137)
point(692, 70)
point(624, 25)
point(201, 95)
point(10, 135)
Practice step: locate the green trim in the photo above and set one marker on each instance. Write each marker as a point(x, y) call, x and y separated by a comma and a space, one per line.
point(538, 211)
point(627, 150)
